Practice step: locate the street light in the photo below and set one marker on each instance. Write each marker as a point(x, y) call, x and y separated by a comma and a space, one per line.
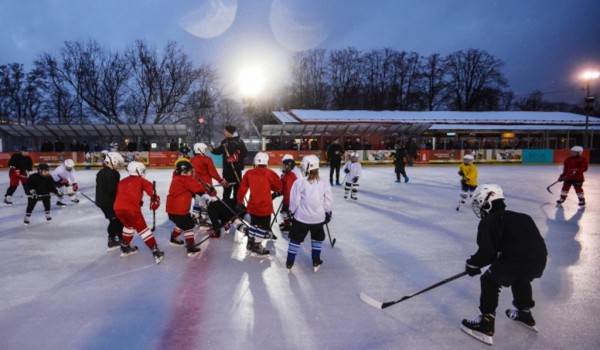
point(589, 103)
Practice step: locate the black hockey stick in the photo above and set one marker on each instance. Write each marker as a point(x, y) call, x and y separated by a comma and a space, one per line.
point(236, 215)
point(329, 235)
point(382, 305)
point(153, 211)
point(275, 216)
point(88, 198)
point(554, 183)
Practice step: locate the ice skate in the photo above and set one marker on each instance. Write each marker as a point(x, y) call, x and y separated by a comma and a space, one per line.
point(397, 181)
point(317, 262)
point(405, 179)
point(48, 217)
point(256, 249)
point(581, 204)
point(113, 243)
point(127, 250)
point(481, 328)
point(176, 242)
point(27, 219)
point(560, 201)
point(75, 200)
point(8, 200)
point(60, 204)
point(192, 251)
point(523, 317)
point(158, 254)
point(289, 265)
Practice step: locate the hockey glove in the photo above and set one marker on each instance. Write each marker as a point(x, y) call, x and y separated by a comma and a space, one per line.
point(75, 187)
point(155, 202)
point(233, 158)
point(211, 191)
point(275, 195)
point(346, 170)
point(355, 179)
point(461, 173)
point(64, 182)
point(327, 217)
point(224, 183)
point(472, 270)
point(561, 177)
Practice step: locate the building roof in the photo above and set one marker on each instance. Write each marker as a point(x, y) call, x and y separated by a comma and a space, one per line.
point(94, 130)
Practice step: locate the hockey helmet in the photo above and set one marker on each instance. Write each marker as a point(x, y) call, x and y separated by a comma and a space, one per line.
point(69, 164)
point(200, 148)
point(136, 169)
point(469, 158)
point(287, 163)
point(183, 167)
point(113, 160)
point(309, 163)
point(577, 149)
point(261, 158)
point(354, 156)
point(483, 197)
point(43, 166)
point(185, 150)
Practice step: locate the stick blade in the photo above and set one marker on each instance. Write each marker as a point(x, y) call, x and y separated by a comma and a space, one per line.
point(370, 301)
point(548, 189)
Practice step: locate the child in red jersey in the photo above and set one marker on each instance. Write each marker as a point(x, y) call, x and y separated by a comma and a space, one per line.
point(130, 192)
point(288, 177)
point(572, 175)
point(183, 187)
point(260, 181)
point(205, 172)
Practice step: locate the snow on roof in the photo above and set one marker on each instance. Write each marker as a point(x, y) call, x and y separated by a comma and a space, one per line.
point(437, 117)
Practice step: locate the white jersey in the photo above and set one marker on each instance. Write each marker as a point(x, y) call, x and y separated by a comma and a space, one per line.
point(61, 173)
point(297, 171)
point(310, 201)
point(355, 170)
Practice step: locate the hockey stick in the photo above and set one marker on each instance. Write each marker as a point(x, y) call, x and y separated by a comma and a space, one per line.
point(275, 216)
point(236, 215)
point(382, 305)
point(554, 183)
point(329, 234)
point(88, 198)
point(153, 211)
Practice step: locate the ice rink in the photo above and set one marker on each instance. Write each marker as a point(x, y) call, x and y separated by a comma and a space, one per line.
point(61, 289)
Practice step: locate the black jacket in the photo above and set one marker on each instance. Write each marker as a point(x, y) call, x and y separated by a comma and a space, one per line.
point(107, 180)
point(233, 144)
point(21, 162)
point(41, 184)
point(331, 153)
point(511, 241)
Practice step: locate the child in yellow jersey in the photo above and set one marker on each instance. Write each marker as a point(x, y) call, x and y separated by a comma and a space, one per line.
point(468, 182)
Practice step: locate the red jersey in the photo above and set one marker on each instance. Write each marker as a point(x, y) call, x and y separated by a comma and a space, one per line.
point(260, 182)
point(130, 192)
point(204, 169)
point(574, 167)
point(287, 180)
point(180, 194)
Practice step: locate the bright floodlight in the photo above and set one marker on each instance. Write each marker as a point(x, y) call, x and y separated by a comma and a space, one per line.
point(591, 75)
point(252, 81)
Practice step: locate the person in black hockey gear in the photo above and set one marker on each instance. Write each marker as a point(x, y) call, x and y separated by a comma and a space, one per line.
point(310, 204)
point(334, 158)
point(234, 152)
point(400, 157)
point(353, 171)
point(512, 245)
point(38, 187)
point(222, 213)
point(107, 180)
point(20, 164)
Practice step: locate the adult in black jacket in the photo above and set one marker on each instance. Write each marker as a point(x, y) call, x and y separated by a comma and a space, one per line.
point(512, 245)
point(334, 157)
point(107, 180)
point(20, 164)
point(38, 187)
point(233, 150)
point(400, 157)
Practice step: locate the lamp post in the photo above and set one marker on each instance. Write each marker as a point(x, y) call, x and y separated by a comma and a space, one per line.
point(589, 104)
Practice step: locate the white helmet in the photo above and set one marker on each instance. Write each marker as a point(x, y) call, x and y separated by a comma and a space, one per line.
point(200, 148)
point(577, 149)
point(469, 157)
point(261, 158)
point(287, 156)
point(114, 159)
point(309, 163)
point(69, 163)
point(136, 169)
point(354, 156)
point(483, 197)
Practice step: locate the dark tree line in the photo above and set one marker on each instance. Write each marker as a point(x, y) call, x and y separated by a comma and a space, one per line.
point(87, 83)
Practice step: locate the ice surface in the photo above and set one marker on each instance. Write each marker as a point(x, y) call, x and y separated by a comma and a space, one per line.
point(61, 289)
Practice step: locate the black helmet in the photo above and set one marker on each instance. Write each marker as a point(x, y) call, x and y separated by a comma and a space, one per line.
point(24, 149)
point(43, 166)
point(289, 164)
point(183, 167)
point(184, 150)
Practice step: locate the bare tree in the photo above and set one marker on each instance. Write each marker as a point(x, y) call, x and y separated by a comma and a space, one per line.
point(21, 94)
point(434, 87)
point(61, 103)
point(345, 74)
point(309, 89)
point(473, 75)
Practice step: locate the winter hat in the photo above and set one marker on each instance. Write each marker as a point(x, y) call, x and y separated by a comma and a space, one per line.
point(230, 129)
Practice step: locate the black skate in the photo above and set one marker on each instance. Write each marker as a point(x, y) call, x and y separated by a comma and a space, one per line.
point(192, 251)
point(581, 204)
point(289, 265)
point(75, 200)
point(256, 249)
point(127, 250)
point(158, 254)
point(481, 328)
point(48, 217)
point(8, 200)
point(317, 262)
point(176, 242)
point(60, 204)
point(113, 243)
point(560, 201)
point(27, 219)
point(523, 317)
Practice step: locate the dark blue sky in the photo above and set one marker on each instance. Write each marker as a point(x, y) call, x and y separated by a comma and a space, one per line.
point(544, 43)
